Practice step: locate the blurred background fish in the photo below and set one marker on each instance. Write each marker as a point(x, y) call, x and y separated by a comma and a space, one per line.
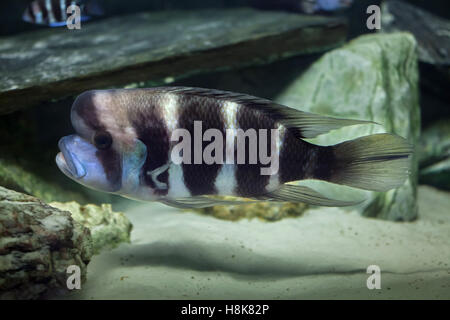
point(53, 13)
point(305, 6)
point(312, 6)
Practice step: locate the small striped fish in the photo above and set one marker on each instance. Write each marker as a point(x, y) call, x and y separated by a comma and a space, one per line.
point(53, 13)
point(311, 6)
point(124, 144)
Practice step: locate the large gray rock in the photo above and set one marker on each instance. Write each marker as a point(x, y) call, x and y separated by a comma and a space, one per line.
point(153, 47)
point(39, 241)
point(374, 77)
point(37, 245)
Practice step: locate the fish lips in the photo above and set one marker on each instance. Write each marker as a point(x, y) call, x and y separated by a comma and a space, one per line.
point(67, 161)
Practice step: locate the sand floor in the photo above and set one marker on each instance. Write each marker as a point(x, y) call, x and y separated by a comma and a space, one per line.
point(321, 255)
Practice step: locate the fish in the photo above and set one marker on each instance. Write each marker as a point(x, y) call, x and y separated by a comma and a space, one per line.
point(304, 6)
point(53, 13)
point(311, 6)
point(155, 144)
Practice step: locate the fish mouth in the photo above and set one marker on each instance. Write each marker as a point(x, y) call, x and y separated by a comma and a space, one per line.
point(68, 161)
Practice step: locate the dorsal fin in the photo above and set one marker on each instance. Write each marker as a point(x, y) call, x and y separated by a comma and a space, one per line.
point(304, 124)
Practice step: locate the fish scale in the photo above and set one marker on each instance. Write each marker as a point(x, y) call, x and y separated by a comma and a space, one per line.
point(250, 182)
point(200, 178)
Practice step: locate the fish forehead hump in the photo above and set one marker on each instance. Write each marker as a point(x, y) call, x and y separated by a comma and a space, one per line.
point(103, 110)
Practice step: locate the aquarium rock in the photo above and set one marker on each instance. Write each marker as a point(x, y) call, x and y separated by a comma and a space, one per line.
point(262, 210)
point(108, 228)
point(374, 77)
point(432, 34)
point(431, 31)
point(37, 245)
point(434, 155)
point(152, 47)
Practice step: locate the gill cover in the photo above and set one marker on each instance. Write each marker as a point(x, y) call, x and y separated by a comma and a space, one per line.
point(132, 162)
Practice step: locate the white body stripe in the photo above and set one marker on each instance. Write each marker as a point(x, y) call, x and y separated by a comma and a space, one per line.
point(170, 111)
point(115, 120)
point(62, 5)
point(38, 17)
point(51, 16)
point(177, 187)
point(274, 180)
point(226, 180)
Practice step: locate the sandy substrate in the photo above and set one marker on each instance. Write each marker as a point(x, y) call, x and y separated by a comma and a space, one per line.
point(321, 255)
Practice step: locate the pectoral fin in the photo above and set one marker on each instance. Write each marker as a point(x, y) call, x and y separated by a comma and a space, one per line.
point(155, 173)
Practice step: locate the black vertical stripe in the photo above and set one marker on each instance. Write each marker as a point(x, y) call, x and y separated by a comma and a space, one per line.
point(250, 181)
point(326, 163)
point(44, 11)
point(56, 8)
point(85, 108)
point(109, 159)
point(293, 158)
point(302, 160)
point(200, 178)
point(152, 130)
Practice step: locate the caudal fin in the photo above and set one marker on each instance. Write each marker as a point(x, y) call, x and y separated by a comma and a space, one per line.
point(378, 162)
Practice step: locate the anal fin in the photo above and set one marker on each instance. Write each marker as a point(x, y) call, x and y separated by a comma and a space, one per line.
point(294, 193)
point(198, 202)
point(287, 193)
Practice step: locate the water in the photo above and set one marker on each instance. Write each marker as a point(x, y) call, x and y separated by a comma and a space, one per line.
point(330, 64)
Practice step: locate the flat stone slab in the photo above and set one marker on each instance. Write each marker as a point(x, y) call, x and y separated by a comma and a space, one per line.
point(152, 47)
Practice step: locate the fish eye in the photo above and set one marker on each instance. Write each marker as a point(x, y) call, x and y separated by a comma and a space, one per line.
point(102, 140)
